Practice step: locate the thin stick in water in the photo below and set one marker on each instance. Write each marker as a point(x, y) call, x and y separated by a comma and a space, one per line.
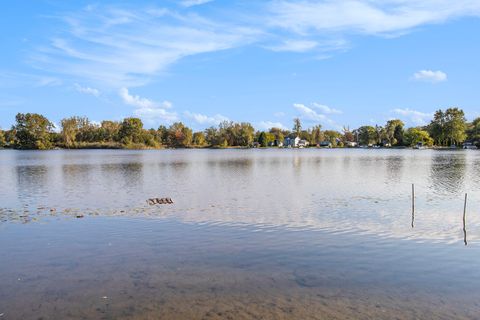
point(464, 222)
point(413, 204)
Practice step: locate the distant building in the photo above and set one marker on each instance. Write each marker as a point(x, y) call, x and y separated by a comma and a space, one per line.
point(469, 145)
point(351, 144)
point(302, 143)
point(291, 142)
point(325, 144)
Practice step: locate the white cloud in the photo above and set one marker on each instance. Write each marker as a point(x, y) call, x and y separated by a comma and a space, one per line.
point(266, 125)
point(326, 109)
point(309, 113)
point(416, 117)
point(191, 3)
point(203, 119)
point(113, 47)
point(137, 101)
point(87, 90)
point(430, 76)
point(366, 16)
point(148, 110)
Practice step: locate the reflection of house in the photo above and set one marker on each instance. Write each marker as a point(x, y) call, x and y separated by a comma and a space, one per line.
point(291, 142)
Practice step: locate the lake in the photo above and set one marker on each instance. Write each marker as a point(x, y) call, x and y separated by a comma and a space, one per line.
point(252, 234)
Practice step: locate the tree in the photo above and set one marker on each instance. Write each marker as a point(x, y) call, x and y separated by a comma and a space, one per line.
point(348, 136)
point(163, 134)
point(199, 139)
point(212, 137)
point(265, 139)
point(414, 136)
point(278, 135)
point(245, 135)
point(109, 131)
point(334, 137)
point(367, 135)
point(456, 125)
point(297, 126)
point(317, 135)
point(179, 135)
point(70, 129)
point(394, 132)
point(473, 132)
point(131, 131)
point(3, 142)
point(448, 127)
point(33, 131)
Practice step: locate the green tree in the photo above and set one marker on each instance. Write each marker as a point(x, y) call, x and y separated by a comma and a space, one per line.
point(109, 131)
point(131, 131)
point(3, 142)
point(246, 134)
point(278, 134)
point(334, 137)
point(33, 131)
point(367, 135)
point(317, 135)
point(394, 132)
point(199, 139)
point(414, 136)
point(212, 136)
point(297, 126)
point(265, 139)
point(448, 127)
point(473, 131)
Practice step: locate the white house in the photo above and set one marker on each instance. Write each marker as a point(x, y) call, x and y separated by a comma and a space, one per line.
point(291, 142)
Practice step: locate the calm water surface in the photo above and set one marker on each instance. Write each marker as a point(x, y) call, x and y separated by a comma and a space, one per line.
point(253, 234)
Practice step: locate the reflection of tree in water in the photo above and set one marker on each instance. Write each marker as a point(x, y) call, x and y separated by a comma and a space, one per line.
point(31, 182)
point(132, 173)
point(447, 173)
point(394, 165)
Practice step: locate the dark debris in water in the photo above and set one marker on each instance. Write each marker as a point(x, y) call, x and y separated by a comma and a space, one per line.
point(154, 201)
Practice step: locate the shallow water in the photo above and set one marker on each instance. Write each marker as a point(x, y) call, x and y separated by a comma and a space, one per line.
point(266, 234)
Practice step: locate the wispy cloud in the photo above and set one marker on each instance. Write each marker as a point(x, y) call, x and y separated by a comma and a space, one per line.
point(430, 76)
point(114, 47)
point(416, 117)
point(149, 111)
point(365, 16)
point(87, 90)
point(294, 46)
point(191, 3)
point(204, 119)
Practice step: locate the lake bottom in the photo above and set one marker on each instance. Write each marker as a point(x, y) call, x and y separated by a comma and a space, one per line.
point(136, 268)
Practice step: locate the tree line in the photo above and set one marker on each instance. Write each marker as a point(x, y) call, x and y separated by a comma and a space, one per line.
point(34, 131)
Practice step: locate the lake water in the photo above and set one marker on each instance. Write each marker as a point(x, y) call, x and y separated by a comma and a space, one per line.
point(252, 234)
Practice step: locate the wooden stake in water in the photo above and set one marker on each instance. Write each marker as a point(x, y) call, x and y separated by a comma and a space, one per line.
point(464, 222)
point(413, 204)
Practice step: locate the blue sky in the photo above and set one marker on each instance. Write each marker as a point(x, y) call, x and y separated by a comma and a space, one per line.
point(334, 63)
